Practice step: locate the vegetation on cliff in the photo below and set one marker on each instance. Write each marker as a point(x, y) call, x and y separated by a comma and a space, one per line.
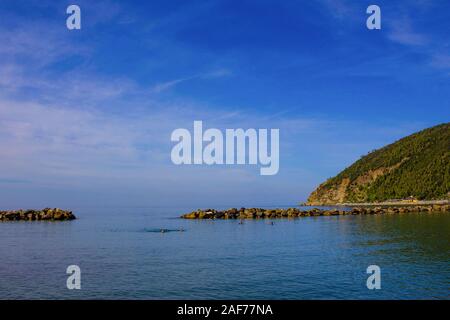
point(416, 166)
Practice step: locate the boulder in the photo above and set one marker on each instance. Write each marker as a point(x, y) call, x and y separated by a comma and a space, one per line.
point(36, 215)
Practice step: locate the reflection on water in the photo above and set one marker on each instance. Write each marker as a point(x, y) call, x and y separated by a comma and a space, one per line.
point(123, 254)
point(415, 235)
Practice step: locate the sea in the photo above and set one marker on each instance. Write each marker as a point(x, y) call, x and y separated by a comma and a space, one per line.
point(151, 253)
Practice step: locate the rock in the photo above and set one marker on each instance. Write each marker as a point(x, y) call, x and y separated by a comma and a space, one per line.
point(192, 215)
point(58, 216)
point(259, 213)
point(202, 215)
point(36, 215)
point(249, 213)
point(219, 215)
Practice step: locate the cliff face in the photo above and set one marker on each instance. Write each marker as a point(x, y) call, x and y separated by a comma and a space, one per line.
point(417, 166)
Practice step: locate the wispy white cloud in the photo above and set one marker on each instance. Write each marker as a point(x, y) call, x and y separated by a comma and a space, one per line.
point(163, 86)
point(441, 61)
point(68, 148)
point(339, 9)
point(402, 32)
point(37, 44)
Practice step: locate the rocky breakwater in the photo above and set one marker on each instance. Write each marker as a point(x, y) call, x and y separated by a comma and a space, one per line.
point(46, 214)
point(259, 213)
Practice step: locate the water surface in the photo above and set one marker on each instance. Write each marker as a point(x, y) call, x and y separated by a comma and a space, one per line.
point(123, 256)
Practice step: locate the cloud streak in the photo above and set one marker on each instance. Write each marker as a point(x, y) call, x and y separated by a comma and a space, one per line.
point(163, 86)
point(403, 33)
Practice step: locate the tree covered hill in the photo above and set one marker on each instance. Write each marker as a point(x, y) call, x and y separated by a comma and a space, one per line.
point(417, 165)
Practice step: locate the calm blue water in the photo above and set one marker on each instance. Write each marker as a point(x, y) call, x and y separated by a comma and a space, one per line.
point(121, 257)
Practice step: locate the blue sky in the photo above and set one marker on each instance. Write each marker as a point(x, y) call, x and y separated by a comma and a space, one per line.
point(86, 115)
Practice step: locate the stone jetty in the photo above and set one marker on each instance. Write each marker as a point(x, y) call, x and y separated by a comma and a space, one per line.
point(259, 213)
point(47, 214)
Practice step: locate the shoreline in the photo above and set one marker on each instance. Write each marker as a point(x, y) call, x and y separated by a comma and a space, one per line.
point(381, 204)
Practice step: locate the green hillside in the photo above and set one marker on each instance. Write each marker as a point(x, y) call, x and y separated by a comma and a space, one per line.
point(417, 165)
